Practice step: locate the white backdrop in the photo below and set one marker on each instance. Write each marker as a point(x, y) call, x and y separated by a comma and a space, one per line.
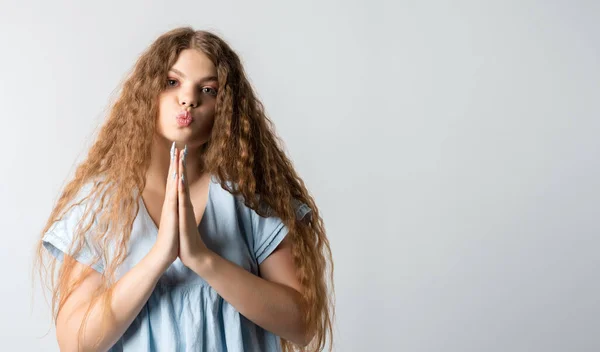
point(452, 147)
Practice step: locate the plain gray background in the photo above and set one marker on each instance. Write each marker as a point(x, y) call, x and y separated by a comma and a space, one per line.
point(452, 147)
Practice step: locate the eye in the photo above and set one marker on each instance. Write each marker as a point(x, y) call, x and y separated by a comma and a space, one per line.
point(169, 81)
point(211, 91)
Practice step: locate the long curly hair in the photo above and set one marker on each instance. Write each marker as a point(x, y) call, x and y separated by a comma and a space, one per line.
point(243, 149)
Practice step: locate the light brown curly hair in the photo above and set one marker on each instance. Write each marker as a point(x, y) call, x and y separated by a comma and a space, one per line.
point(243, 149)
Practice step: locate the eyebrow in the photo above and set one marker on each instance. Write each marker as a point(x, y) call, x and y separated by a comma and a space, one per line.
point(205, 79)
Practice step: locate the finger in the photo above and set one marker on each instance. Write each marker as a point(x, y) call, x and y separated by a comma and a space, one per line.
point(182, 188)
point(186, 185)
point(186, 197)
point(171, 191)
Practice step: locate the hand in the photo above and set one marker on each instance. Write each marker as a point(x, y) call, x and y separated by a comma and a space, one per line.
point(191, 246)
point(167, 240)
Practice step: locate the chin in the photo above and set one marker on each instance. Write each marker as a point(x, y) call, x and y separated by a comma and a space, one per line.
point(191, 138)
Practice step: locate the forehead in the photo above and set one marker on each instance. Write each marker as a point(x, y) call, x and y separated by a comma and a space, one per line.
point(193, 63)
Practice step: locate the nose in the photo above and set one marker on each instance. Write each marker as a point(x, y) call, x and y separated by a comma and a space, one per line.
point(189, 102)
point(188, 98)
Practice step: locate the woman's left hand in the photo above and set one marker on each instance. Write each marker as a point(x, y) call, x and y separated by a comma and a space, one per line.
point(191, 246)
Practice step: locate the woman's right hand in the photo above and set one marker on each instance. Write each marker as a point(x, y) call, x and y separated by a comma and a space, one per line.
point(167, 240)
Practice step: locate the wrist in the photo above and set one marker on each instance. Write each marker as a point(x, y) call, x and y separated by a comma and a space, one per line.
point(160, 258)
point(203, 264)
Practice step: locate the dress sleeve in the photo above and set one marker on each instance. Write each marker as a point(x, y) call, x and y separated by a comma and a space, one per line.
point(59, 238)
point(270, 231)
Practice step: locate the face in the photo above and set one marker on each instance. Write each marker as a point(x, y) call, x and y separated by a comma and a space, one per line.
point(191, 85)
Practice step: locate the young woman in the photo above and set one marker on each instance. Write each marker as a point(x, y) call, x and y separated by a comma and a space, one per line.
point(187, 228)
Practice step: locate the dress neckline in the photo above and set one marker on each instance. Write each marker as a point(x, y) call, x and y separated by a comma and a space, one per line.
point(153, 224)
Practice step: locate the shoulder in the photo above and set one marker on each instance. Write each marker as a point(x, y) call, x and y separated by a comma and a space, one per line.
point(221, 193)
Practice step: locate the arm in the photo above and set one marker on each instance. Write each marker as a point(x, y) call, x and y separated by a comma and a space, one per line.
point(130, 292)
point(272, 301)
point(129, 296)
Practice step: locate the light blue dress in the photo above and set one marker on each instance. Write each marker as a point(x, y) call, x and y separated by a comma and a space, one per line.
point(183, 312)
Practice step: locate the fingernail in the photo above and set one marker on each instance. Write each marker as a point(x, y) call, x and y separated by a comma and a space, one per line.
point(173, 151)
point(174, 175)
point(184, 154)
point(182, 179)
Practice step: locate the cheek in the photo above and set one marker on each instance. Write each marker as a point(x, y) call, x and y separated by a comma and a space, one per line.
point(165, 110)
point(208, 113)
point(161, 108)
point(207, 122)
